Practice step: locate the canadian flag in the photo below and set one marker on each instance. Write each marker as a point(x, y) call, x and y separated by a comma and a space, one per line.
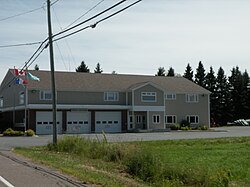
point(20, 72)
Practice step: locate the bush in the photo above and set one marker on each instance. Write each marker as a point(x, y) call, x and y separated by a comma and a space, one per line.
point(175, 127)
point(11, 132)
point(30, 132)
point(204, 127)
point(185, 128)
point(144, 165)
point(185, 123)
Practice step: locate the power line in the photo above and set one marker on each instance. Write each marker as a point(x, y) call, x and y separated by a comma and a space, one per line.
point(20, 44)
point(96, 23)
point(125, 8)
point(77, 25)
point(23, 13)
point(85, 13)
point(27, 12)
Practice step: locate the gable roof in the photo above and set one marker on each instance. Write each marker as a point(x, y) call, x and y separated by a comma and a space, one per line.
point(92, 82)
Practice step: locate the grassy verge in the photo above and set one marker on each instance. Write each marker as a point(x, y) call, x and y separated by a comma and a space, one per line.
point(211, 162)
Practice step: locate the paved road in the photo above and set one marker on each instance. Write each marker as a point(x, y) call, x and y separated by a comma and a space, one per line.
point(19, 174)
point(6, 143)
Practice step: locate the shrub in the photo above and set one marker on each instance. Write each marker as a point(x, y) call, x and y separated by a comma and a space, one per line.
point(185, 123)
point(203, 127)
point(175, 127)
point(11, 132)
point(144, 165)
point(185, 128)
point(30, 132)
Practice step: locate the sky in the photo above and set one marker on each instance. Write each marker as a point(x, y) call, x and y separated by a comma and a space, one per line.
point(149, 35)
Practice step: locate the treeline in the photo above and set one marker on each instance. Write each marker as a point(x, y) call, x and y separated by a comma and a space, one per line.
point(230, 96)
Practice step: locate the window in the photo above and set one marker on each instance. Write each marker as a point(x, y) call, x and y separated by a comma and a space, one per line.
point(138, 119)
point(170, 119)
point(148, 96)
point(156, 119)
point(111, 96)
point(192, 98)
point(1, 101)
point(170, 96)
point(193, 119)
point(45, 95)
point(21, 98)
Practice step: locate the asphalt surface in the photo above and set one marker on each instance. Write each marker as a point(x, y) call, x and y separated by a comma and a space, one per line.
point(7, 143)
point(21, 172)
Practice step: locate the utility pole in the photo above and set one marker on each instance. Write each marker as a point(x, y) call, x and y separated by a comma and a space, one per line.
point(52, 70)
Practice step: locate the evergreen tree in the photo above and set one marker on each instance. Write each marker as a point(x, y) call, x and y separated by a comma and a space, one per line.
point(188, 73)
point(98, 68)
point(246, 93)
point(170, 72)
point(210, 81)
point(200, 75)
point(36, 67)
point(161, 72)
point(239, 85)
point(222, 114)
point(82, 68)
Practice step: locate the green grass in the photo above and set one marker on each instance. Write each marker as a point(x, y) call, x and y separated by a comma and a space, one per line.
point(203, 162)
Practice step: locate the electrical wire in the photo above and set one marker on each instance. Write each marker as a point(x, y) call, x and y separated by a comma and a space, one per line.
point(85, 13)
point(96, 23)
point(20, 44)
point(23, 13)
point(27, 12)
point(77, 25)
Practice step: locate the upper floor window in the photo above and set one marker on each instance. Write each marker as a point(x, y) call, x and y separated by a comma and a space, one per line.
point(156, 119)
point(1, 101)
point(192, 98)
point(148, 96)
point(21, 98)
point(111, 96)
point(170, 96)
point(170, 119)
point(45, 95)
point(193, 119)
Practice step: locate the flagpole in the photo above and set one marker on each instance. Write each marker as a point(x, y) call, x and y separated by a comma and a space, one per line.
point(25, 108)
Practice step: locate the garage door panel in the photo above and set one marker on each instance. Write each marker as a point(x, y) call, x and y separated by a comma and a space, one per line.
point(108, 121)
point(44, 122)
point(78, 122)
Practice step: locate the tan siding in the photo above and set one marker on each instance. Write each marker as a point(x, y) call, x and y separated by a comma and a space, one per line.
point(149, 88)
point(156, 126)
point(181, 108)
point(10, 92)
point(80, 98)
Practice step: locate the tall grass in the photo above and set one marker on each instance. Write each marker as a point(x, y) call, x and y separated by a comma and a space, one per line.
point(93, 149)
point(142, 163)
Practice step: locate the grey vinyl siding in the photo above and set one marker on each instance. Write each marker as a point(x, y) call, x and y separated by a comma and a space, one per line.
point(149, 88)
point(161, 125)
point(78, 98)
point(10, 92)
point(181, 108)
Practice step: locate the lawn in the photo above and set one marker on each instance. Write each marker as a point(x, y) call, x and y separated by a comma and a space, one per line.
point(201, 162)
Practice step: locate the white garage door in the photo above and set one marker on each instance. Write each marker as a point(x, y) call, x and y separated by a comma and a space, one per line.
point(44, 122)
point(108, 121)
point(78, 122)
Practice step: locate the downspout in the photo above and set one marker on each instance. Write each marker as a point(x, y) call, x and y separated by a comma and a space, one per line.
point(208, 102)
point(133, 113)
